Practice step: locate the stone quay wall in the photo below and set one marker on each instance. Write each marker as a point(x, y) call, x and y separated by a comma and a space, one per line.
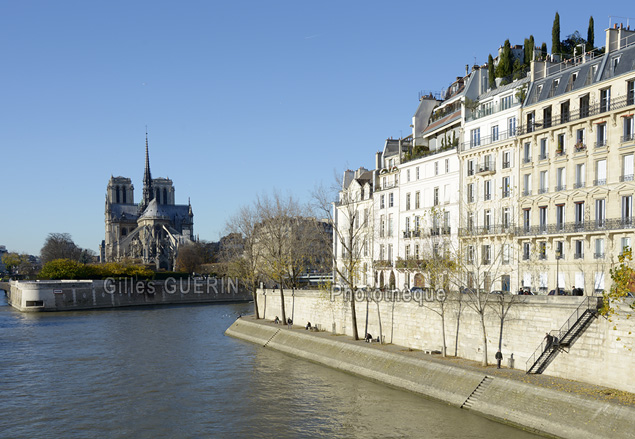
point(603, 355)
point(510, 401)
point(34, 296)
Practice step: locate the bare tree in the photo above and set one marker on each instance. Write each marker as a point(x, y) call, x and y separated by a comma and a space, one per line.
point(192, 255)
point(60, 246)
point(242, 251)
point(277, 215)
point(352, 234)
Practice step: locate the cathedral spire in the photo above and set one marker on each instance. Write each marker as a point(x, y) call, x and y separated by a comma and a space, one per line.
point(148, 193)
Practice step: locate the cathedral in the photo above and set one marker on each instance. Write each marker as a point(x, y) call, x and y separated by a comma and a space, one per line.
point(150, 232)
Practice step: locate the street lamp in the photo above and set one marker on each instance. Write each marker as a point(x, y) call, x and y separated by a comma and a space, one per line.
point(558, 254)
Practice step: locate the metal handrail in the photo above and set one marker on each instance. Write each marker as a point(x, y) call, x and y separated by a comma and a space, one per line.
point(589, 303)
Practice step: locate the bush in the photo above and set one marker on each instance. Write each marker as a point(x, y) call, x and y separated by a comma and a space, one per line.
point(69, 269)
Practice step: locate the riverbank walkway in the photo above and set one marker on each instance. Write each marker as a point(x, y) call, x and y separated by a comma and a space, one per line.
point(590, 391)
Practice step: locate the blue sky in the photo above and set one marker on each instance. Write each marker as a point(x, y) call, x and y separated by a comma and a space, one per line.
point(240, 98)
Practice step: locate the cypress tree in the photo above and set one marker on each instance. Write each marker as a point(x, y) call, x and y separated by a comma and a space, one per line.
point(504, 67)
point(529, 50)
point(555, 35)
point(490, 72)
point(543, 49)
point(590, 35)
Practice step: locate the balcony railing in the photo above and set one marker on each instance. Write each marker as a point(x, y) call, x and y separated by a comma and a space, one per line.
point(492, 229)
point(526, 192)
point(560, 153)
point(506, 194)
point(582, 112)
point(543, 156)
point(526, 160)
point(506, 164)
point(628, 177)
point(626, 138)
point(598, 255)
point(601, 143)
point(562, 187)
point(577, 255)
point(599, 182)
point(543, 190)
point(578, 185)
point(577, 227)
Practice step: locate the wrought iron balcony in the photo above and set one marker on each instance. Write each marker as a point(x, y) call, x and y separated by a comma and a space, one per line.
point(626, 177)
point(562, 187)
point(602, 143)
point(598, 255)
point(627, 138)
point(600, 182)
point(578, 185)
point(543, 156)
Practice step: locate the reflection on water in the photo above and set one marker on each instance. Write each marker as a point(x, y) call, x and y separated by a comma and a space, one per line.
point(170, 372)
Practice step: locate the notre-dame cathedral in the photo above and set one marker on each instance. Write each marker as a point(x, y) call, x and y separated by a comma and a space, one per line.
point(149, 232)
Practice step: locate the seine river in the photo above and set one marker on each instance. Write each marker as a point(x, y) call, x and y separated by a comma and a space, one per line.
point(171, 373)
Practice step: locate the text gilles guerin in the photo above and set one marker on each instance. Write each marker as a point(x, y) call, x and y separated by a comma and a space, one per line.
point(171, 285)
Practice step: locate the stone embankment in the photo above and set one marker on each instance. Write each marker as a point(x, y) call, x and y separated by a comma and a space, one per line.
point(549, 408)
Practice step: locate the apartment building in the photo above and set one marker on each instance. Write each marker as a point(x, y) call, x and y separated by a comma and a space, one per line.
point(576, 171)
point(489, 198)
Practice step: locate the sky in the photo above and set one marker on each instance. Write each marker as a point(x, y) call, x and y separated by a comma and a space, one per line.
point(240, 98)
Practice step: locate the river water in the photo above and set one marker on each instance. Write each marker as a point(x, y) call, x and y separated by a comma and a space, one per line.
point(169, 372)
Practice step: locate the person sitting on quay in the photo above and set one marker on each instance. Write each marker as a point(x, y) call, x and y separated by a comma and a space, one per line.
point(289, 322)
point(368, 338)
point(276, 320)
point(308, 326)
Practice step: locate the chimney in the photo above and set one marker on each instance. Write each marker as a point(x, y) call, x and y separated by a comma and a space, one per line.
point(467, 69)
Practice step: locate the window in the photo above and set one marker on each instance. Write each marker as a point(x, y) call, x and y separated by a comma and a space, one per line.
point(505, 218)
point(630, 92)
point(600, 173)
point(627, 168)
point(628, 129)
point(559, 249)
point(543, 218)
point(527, 152)
point(390, 225)
point(391, 199)
point(561, 178)
point(487, 220)
point(600, 212)
point(599, 248)
point(506, 102)
point(526, 251)
point(564, 112)
point(506, 254)
point(475, 137)
point(488, 164)
point(579, 249)
point(626, 243)
point(408, 175)
point(511, 126)
point(531, 121)
point(560, 145)
point(408, 201)
point(446, 222)
point(470, 193)
point(417, 200)
point(487, 190)
point(546, 117)
point(407, 252)
point(542, 250)
point(544, 182)
point(486, 253)
point(627, 210)
point(470, 221)
point(407, 226)
point(580, 140)
point(382, 202)
point(527, 185)
point(417, 251)
point(543, 149)
point(382, 226)
point(584, 106)
point(601, 135)
point(436, 168)
point(436, 196)
point(507, 159)
point(366, 217)
point(470, 167)
point(605, 100)
point(580, 170)
point(494, 133)
point(417, 172)
point(526, 219)
point(579, 215)
point(416, 223)
point(560, 217)
point(447, 165)
point(470, 254)
point(506, 187)
point(390, 252)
